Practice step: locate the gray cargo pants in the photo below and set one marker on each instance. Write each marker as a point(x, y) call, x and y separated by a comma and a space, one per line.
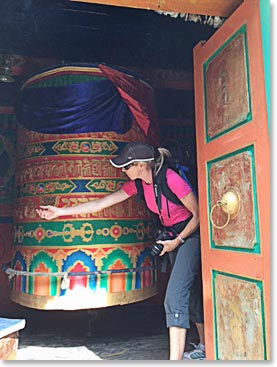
point(184, 299)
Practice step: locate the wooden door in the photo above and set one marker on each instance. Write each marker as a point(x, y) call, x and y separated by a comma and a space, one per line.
point(233, 154)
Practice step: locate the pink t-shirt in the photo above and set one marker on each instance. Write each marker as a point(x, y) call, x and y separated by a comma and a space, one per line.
point(180, 188)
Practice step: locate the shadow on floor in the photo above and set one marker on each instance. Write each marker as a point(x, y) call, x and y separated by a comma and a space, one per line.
point(129, 332)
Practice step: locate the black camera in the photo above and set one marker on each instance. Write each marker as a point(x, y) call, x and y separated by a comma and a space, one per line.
point(164, 234)
point(156, 249)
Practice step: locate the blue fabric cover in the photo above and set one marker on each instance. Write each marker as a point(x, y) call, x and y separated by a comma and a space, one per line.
point(77, 108)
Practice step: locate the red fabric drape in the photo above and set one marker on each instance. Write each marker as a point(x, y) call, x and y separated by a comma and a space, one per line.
point(140, 98)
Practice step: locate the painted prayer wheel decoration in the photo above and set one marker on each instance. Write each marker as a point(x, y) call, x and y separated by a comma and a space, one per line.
point(83, 261)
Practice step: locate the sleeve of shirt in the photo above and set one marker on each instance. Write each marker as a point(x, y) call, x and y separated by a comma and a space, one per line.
point(177, 184)
point(130, 188)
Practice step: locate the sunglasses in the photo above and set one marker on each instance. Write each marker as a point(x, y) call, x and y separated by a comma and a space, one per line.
point(128, 166)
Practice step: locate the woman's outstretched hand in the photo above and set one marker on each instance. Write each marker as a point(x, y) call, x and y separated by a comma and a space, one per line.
point(48, 212)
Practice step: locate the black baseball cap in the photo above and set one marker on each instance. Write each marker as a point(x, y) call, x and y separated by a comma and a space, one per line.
point(134, 152)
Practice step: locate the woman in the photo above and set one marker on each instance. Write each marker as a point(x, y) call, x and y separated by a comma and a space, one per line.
point(139, 160)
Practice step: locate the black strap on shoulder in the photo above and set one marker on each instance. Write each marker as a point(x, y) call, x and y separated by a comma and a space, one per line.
point(140, 193)
point(160, 187)
point(161, 182)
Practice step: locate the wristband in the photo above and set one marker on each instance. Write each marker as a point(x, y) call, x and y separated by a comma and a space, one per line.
point(180, 238)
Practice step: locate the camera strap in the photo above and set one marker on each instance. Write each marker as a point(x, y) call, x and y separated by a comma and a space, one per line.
point(164, 263)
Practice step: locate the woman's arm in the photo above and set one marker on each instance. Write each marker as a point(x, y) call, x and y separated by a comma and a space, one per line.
point(50, 212)
point(190, 202)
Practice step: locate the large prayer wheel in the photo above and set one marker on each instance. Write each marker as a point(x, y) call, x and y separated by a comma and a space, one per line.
point(84, 261)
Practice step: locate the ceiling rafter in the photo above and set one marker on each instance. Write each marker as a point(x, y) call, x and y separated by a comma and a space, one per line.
point(221, 8)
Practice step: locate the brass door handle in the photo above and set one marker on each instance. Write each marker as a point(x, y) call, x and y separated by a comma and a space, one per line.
point(230, 204)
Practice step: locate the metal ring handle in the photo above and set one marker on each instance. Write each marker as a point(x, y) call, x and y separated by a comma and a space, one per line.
point(230, 204)
point(220, 204)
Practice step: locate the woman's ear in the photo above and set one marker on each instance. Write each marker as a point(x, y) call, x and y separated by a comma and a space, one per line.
point(141, 164)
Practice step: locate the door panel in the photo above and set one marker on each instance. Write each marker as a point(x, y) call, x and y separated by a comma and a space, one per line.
point(233, 156)
point(233, 171)
point(239, 317)
point(226, 86)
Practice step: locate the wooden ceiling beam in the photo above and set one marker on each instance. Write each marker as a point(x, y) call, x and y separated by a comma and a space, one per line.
point(221, 8)
point(167, 78)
